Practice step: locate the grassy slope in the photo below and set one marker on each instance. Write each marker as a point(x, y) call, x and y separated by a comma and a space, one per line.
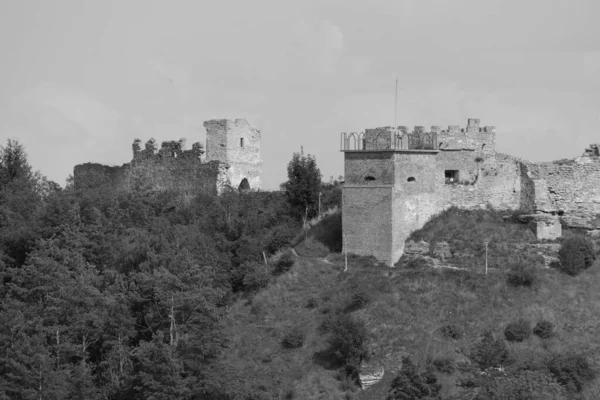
point(406, 310)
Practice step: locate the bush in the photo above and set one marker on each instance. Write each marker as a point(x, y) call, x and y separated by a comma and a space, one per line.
point(348, 340)
point(279, 237)
point(293, 339)
point(518, 330)
point(490, 352)
point(410, 384)
point(312, 303)
point(451, 331)
point(520, 275)
point(329, 232)
point(444, 364)
point(284, 263)
point(571, 371)
point(256, 277)
point(576, 254)
point(311, 247)
point(544, 329)
point(358, 300)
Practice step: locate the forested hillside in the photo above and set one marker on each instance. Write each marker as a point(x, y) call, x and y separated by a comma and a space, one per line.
point(165, 295)
point(113, 295)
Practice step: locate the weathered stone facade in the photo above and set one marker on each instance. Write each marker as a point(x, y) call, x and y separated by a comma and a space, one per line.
point(232, 157)
point(396, 181)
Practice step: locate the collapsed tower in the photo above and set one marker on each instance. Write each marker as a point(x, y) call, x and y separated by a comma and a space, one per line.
point(237, 144)
point(232, 158)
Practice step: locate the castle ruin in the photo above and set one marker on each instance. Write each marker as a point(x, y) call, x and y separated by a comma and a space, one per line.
point(232, 158)
point(395, 181)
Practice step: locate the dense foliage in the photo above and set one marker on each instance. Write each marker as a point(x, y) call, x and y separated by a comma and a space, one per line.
point(303, 185)
point(118, 295)
point(576, 254)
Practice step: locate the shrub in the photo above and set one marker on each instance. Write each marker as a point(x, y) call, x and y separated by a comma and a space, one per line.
point(310, 247)
point(518, 330)
point(358, 300)
point(284, 263)
point(329, 232)
point(348, 340)
point(293, 338)
point(490, 352)
point(312, 303)
point(279, 237)
point(444, 364)
point(451, 331)
point(571, 371)
point(544, 329)
point(576, 254)
point(520, 275)
point(410, 384)
point(256, 277)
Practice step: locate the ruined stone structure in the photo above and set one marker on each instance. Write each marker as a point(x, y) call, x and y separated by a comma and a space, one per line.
point(232, 158)
point(395, 181)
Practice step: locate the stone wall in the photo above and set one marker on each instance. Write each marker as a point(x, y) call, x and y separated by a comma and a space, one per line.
point(232, 155)
point(237, 144)
point(416, 185)
point(569, 188)
point(367, 220)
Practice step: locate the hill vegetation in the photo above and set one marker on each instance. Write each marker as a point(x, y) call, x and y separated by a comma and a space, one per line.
point(112, 295)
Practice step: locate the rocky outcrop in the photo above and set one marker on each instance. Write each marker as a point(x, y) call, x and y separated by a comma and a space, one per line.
point(412, 248)
point(370, 374)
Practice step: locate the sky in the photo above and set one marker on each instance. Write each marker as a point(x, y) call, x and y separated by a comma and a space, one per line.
point(81, 79)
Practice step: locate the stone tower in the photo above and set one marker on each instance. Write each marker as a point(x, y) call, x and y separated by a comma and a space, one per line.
point(237, 144)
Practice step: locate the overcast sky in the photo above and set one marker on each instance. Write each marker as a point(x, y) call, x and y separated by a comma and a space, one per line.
point(80, 79)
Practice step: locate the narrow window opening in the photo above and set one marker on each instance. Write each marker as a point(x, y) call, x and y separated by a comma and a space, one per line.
point(241, 142)
point(451, 176)
point(369, 178)
point(411, 179)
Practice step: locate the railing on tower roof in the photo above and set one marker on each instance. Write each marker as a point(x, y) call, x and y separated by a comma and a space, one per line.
point(381, 139)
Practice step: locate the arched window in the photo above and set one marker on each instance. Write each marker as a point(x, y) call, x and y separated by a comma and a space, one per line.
point(411, 179)
point(244, 185)
point(369, 178)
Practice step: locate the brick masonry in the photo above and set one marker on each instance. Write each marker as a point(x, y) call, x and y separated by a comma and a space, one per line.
point(390, 192)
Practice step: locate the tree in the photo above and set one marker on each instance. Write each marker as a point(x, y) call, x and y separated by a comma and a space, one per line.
point(303, 184)
point(13, 162)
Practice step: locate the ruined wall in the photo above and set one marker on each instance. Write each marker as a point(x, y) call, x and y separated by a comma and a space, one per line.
point(495, 180)
point(232, 154)
point(237, 144)
point(570, 188)
point(473, 137)
point(90, 175)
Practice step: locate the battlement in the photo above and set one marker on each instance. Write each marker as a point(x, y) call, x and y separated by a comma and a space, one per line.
point(168, 149)
point(473, 137)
